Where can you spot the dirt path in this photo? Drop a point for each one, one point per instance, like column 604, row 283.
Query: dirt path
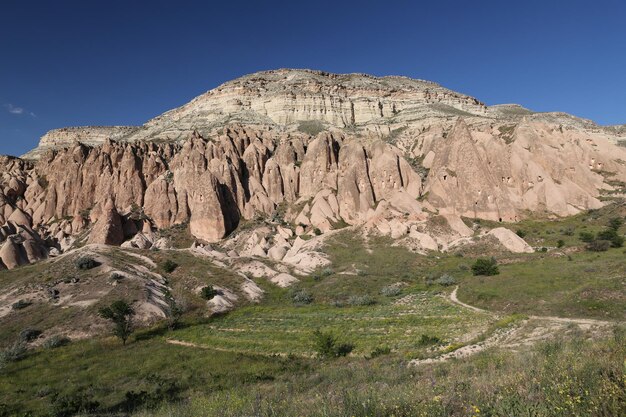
column 455, row 300
column 245, row 352
column 584, row 322
column 532, row 330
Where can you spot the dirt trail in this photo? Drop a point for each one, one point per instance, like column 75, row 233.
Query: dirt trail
column 455, row 300
column 199, row 346
column 567, row 320
column 532, row 330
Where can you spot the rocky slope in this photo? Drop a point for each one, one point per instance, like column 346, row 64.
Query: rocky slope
column 309, row 152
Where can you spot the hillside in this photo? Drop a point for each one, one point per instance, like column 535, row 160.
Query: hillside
column 297, row 222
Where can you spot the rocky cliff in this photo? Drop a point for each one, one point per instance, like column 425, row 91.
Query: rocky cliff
column 309, row 152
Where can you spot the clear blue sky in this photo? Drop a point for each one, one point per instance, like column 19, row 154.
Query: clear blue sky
column 72, row 63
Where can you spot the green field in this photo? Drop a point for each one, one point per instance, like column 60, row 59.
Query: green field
column 288, row 329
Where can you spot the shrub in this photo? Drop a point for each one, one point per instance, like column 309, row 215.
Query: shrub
column 301, row 296
column 21, row 304
column 317, row 231
column 361, row 300
column 55, row 342
column 177, row 309
column 72, row 404
column 484, row 266
column 586, row 237
column 121, row 314
column 427, row 340
column 391, row 291
column 28, row 335
column 208, row 292
column 615, row 223
column 560, row 243
column 13, row 353
column 116, row 277
column 380, row 351
column 327, row 272
column 86, row 262
column 599, row 245
column 169, row 266
column 617, row 241
column 521, row 233
column 612, row 236
column 327, row 346
column 569, row 231
column 311, row 127
column 544, row 249
column 445, row 280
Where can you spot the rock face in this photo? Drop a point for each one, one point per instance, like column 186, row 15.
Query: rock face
column 312, row 149
column 510, row 240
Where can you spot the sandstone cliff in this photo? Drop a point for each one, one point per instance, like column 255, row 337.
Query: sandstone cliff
column 313, row 151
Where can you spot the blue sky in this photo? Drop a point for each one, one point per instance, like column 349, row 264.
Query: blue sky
column 73, row 63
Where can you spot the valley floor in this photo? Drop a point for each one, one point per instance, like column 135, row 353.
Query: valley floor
column 545, row 337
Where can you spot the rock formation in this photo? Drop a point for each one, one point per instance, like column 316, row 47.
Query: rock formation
column 314, row 152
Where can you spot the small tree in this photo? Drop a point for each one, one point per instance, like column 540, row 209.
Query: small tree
column 121, row 314
column 484, row 266
column 169, row 266
column 586, row 236
column 177, row 309
column 615, row 223
column 327, row 345
column 611, row 235
column 209, row 292
column 560, row 243
column 86, row 262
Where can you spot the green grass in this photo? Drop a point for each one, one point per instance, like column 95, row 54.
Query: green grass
column 590, row 285
column 288, row 329
column 105, row 370
column 568, row 376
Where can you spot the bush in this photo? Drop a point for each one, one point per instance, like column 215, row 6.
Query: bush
column 169, row 266
column 177, row 309
column 615, row 223
column 586, row 237
column 55, row 342
column 208, row 292
column 521, row 233
column 21, row 304
column 327, row 346
column 72, row 404
column 327, row 272
column 362, row 300
column 301, row 296
column 599, row 245
column 28, row 335
column 611, row 235
column 380, row 351
column 391, row 291
column 560, row 243
column 445, row 280
column 427, row 340
column 13, row 353
column 484, row 266
column 116, row 277
column 86, row 262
